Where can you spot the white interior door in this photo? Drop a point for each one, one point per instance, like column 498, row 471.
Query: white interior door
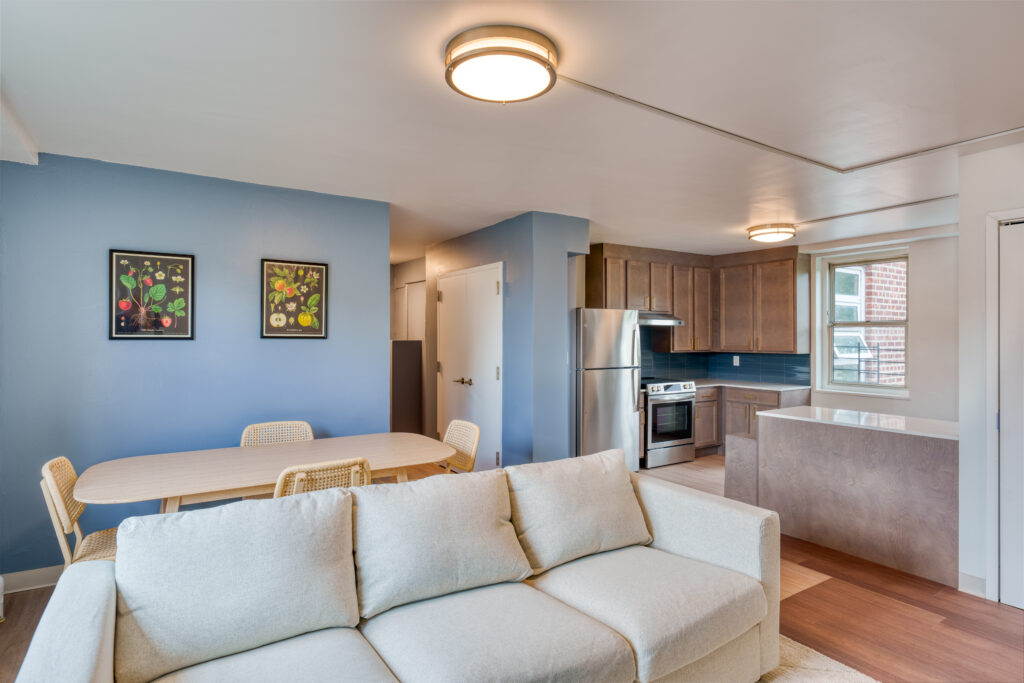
column 469, row 327
column 1011, row 415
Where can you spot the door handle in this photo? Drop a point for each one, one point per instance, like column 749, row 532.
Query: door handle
column 469, row 381
column 636, row 390
column 463, row 380
column 636, row 345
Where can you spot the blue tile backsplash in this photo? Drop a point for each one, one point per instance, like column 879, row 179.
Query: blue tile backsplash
column 784, row 368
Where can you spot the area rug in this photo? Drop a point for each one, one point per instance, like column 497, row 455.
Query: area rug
column 801, row 664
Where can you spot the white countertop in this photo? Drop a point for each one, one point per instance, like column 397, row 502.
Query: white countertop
column 899, row 424
column 742, row 384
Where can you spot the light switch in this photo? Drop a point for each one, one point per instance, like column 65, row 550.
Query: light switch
column 736, row 361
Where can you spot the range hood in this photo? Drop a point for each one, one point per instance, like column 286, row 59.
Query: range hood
column 659, row 319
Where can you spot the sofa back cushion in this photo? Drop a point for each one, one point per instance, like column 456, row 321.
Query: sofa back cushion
column 194, row 586
column 433, row 537
column 570, row 508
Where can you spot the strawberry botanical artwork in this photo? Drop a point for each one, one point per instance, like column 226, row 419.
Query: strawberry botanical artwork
column 294, row 299
column 151, row 295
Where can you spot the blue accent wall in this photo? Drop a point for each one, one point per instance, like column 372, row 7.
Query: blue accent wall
column 535, row 375
column 68, row 390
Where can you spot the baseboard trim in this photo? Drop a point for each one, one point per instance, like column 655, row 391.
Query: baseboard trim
column 32, row 578
column 975, row 585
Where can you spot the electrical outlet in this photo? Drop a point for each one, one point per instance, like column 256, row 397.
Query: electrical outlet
column 736, row 361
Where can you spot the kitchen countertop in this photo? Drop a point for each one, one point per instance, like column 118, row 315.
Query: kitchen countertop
column 743, row 384
column 899, row 424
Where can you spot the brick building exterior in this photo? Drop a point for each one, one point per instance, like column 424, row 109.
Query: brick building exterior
column 885, row 298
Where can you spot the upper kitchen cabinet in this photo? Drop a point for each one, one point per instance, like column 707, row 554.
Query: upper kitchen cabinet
column 764, row 301
column 691, row 303
column 619, row 276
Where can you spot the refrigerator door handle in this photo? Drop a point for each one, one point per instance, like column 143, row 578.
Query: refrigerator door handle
column 636, row 347
column 636, row 390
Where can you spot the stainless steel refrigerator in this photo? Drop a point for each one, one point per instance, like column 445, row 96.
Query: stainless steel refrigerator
column 608, row 382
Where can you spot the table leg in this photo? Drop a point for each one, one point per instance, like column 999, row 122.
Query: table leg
column 170, row 504
column 402, row 475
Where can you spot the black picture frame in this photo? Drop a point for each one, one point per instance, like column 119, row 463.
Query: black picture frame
column 293, row 299
column 160, row 305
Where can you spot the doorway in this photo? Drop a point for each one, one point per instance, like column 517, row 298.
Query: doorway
column 469, row 353
column 1011, row 413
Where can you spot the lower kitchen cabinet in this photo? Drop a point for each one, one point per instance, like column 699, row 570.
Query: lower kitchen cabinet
column 742, row 406
column 705, row 424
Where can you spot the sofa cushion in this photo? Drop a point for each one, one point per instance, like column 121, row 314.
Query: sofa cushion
column 671, row 609
column 579, row 506
column 433, row 536
column 329, row 655
column 509, row 632
column 194, row 586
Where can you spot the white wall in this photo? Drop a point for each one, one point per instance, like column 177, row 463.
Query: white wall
column 990, row 181
column 932, row 337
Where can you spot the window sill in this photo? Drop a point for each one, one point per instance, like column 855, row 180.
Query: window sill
column 899, row 395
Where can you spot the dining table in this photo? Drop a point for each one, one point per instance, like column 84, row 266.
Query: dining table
column 187, row 477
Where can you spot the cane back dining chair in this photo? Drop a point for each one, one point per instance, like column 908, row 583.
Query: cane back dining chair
column 263, row 433
column 464, row 437
column 322, row 475
column 58, row 485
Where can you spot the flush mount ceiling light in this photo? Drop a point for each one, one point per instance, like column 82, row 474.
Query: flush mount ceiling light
column 771, row 232
column 500, row 63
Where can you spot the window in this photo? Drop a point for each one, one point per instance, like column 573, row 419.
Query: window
column 866, row 315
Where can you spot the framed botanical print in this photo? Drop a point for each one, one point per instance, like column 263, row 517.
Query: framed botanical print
column 152, row 296
column 294, row 296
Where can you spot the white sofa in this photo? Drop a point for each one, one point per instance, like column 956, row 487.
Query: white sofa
column 574, row 570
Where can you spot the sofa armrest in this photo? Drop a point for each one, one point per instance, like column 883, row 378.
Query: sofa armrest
column 719, row 531
column 74, row 642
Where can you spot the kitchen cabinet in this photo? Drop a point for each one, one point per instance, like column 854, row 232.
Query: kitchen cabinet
column 661, row 287
column 638, row 285
column 614, row 283
column 705, row 424
column 737, row 418
column 775, row 307
column 736, row 308
column 691, row 303
column 742, row 406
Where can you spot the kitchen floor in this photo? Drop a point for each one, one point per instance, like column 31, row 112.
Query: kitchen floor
column 706, row 473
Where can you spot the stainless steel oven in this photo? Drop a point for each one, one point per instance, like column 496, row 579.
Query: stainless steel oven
column 669, row 417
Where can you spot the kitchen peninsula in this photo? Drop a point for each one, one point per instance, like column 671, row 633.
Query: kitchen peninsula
column 881, row 487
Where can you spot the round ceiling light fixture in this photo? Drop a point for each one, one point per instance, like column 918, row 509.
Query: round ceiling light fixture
column 501, row 63
column 771, row 232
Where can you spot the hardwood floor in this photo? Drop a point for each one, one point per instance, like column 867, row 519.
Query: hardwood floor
column 892, row 626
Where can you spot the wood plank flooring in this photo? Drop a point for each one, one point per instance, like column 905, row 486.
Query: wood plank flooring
column 892, row 626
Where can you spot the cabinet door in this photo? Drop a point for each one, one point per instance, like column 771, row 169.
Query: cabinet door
column 682, row 308
column 705, row 425
column 737, row 418
column 615, row 283
column 701, row 328
column 638, row 285
column 753, row 417
column 661, row 288
column 775, row 310
column 737, row 308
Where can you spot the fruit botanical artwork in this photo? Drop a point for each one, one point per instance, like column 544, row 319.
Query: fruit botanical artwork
column 294, row 299
column 151, row 295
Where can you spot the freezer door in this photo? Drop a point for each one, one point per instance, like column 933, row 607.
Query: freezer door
column 607, row 338
column 608, row 407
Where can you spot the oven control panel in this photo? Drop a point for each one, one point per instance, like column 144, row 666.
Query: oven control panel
column 672, row 388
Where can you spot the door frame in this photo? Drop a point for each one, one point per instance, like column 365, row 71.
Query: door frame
column 500, row 265
column 993, row 222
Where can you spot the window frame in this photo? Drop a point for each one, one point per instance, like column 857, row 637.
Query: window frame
column 825, row 370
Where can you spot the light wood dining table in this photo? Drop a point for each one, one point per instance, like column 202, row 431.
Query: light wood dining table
column 219, row 473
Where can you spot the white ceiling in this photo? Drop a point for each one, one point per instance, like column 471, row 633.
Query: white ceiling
column 350, row 99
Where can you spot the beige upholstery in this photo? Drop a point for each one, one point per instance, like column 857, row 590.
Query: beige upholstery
column 575, row 507
column 58, row 486
column 739, row 661
column 433, row 536
column 328, row 655
column 506, row 632
column 464, row 437
column 323, row 475
column 668, row 621
column 264, row 433
column 722, row 532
